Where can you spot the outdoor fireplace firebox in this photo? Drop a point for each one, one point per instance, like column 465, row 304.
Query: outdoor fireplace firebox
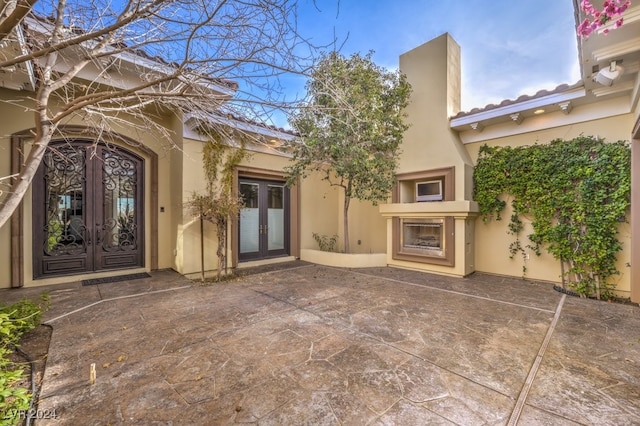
column 423, row 236
column 428, row 240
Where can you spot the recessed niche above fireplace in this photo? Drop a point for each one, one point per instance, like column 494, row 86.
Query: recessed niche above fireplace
column 427, row 186
column 434, row 236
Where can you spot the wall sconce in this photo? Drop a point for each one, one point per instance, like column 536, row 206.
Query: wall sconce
column 606, row 76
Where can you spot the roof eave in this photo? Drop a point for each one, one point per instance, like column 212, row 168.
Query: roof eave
column 557, row 100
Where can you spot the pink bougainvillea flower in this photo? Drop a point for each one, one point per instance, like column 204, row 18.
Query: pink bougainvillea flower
column 595, row 19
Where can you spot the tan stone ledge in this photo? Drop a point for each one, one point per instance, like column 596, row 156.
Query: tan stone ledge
column 439, row 208
column 344, row 260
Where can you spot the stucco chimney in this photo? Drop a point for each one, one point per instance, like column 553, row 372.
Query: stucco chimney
column 433, row 70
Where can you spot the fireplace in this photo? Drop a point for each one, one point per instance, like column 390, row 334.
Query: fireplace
column 423, row 236
column 424, row 239
column 427, row 228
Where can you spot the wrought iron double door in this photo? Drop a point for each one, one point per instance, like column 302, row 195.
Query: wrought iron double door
column 87, row 210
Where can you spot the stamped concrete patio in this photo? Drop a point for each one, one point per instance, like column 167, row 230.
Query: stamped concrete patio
column 317, row 345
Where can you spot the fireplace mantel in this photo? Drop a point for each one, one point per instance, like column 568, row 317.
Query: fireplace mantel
column 457, row 219
column 457, row 209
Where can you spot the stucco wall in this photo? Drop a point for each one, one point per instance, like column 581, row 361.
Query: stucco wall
column 611, row 129
column 318, row 210
column 492, row 239
column 188, row 177
column 322, row 212
column 15, row 119
column 367, row 227
column 433, row 71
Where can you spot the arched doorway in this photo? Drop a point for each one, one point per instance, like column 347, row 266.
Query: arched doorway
column 88, row 212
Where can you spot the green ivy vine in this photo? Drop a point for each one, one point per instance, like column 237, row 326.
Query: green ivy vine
column 575, row 192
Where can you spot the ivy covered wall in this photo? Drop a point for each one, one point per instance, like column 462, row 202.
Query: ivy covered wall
column 567, row 198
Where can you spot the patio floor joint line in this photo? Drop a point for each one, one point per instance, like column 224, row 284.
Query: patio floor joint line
column 444, row 290
column 48, row 322
column 524, row 393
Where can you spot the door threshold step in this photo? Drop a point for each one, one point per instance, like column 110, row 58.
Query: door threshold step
column 116, row 279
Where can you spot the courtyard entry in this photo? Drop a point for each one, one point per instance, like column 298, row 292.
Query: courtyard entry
column 87, row 209
column 264, row 220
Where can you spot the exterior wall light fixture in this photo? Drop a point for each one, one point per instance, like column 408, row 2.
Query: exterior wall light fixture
column 606, row 76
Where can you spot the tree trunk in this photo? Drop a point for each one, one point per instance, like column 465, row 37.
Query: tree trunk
column 25, row 177
column 226, row 253
column 222, row 249
column 201, row 248
column 347, row 200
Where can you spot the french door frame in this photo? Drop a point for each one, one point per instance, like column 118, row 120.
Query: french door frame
column 21, row 249
column 265, row 228
column 105, row 239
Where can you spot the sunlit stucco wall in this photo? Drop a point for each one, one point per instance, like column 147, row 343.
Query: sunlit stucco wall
column 433, row 70
column 189, row 178
column 15, row 119
column 492, row 239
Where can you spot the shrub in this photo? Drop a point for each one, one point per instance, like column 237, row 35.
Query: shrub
column 15, row 320
column 326, row 243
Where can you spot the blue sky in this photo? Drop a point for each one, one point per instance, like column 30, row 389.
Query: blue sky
column 509, row 47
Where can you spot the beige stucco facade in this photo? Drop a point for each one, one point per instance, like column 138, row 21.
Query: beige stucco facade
column 441, row 137
column 492, row 239
column 156, row 153
column 429, row 145
column 441, row 145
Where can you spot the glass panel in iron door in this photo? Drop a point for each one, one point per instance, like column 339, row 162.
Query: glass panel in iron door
column 249, row 219
column 119, row 221
column 61, row 237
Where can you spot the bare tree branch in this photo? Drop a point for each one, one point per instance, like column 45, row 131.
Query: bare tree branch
column 12, row 13
column 107, row 63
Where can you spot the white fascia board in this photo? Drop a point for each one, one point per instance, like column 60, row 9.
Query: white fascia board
column 28, row 64
column 635, row 94
column 581, row 114
column 519, row 107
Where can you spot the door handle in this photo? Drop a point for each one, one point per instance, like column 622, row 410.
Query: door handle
column 98, row 234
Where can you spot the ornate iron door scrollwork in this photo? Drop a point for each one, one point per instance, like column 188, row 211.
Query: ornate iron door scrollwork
column 88, row 210
column 64, row 226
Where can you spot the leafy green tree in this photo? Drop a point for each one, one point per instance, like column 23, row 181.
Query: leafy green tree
column 351, row 127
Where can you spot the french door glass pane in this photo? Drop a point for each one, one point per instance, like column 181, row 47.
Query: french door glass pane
column 64, row 227
column 119, row 180
column 275, row 217
column 249, row 219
